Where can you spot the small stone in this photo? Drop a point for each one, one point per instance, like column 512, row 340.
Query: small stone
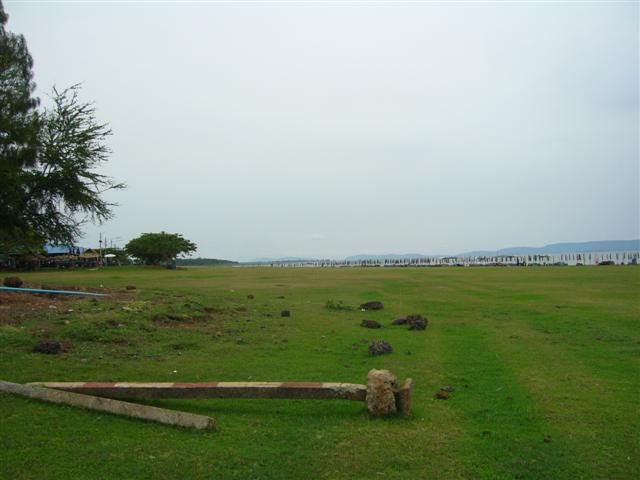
column 370, row 324
column 379, row 347
column 13, row 282
column 547, row 439
column 442, row 395
column 285, row 313
column 374, row 305
column 130, row 287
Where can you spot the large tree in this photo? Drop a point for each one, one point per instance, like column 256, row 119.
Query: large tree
column 49, row 186
column 19, row 130
column 155, row 248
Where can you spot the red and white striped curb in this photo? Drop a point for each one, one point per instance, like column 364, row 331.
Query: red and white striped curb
column 291, row 390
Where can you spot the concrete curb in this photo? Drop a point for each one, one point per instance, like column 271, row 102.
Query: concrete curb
column 290, row 390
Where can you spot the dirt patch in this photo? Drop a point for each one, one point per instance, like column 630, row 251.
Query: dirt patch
column 15, row 307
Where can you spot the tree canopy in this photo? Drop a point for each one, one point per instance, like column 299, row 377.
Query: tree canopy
column 155, row 248
column 48, row 158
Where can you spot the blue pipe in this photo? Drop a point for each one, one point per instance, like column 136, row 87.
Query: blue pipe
column 39, row 290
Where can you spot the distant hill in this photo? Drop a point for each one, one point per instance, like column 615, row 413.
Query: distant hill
column 554, row 248
column 389, row 256
column 197, row 262
column 557, row 248
column 281, row 259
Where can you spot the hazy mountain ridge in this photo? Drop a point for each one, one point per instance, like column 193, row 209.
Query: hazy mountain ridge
column 559, row 248
column 554, row 248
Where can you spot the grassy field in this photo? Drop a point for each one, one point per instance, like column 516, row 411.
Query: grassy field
column 531, row 352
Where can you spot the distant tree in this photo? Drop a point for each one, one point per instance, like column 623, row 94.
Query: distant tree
column 155, row 248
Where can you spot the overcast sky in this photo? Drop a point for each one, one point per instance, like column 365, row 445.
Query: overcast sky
column 331, row 129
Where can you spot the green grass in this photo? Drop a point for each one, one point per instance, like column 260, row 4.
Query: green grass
column 531, row 352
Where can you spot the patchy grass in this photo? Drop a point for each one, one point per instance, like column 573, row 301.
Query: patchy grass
column 531, row 353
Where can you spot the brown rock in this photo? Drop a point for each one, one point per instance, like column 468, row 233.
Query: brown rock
column 375, row 305
column 417, row 322
column 370, row 324
column 13, row 282
column 381, row 385
column 442, row 395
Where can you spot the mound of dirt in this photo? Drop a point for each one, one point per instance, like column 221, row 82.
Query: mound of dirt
column 51, row 347
column 13, row 282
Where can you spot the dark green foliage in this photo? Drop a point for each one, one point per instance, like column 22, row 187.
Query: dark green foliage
column 19, row 126
column 64, row 189
column 48, row 159
column 154, row 248
column 333, row 305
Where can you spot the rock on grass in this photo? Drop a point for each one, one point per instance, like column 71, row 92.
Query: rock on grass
column 370, row 324
column 417, row 322
column 374, row 305
column 379, row 347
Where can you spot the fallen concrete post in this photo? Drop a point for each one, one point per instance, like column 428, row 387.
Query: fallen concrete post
column 290, row 390
column 161, row 415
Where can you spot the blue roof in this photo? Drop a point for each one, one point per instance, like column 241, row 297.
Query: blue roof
column 59, row 249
